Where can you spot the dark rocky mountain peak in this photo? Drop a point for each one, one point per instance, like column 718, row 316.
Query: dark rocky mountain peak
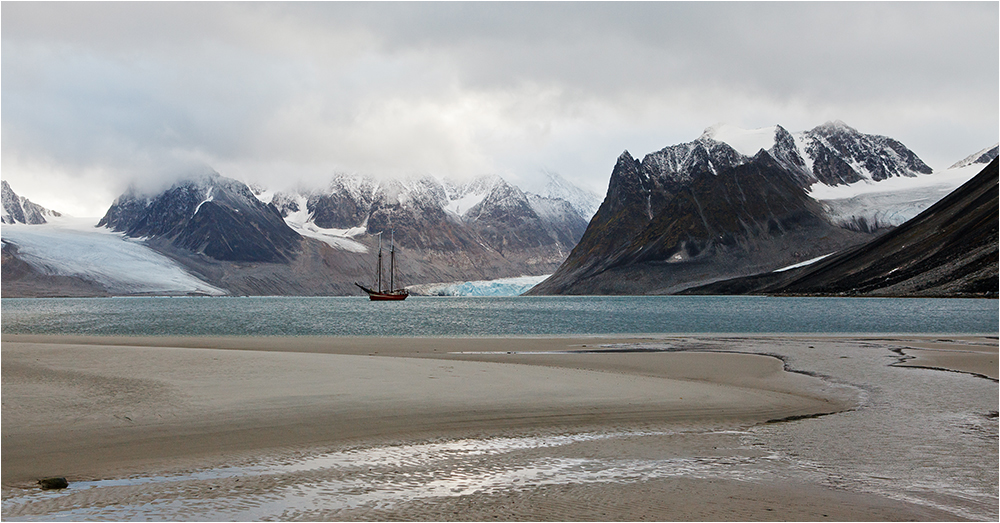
column 843, row 155
column 786, row 152
column 678, row 164
column 207, row 214
column 510, row 220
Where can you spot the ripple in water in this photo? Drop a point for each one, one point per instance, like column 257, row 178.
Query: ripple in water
column 377, row 478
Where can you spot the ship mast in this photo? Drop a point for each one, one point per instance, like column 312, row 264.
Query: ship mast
column 392, row 260
column 380, row 262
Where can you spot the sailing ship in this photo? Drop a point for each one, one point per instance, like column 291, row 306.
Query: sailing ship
column 392, row 294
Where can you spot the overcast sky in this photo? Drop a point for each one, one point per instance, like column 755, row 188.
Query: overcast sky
column 97, row 95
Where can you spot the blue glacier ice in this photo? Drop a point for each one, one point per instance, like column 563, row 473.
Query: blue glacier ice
column 502, row 287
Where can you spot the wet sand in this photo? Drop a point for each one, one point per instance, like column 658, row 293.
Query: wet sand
column 92, row 408
column 954, row 354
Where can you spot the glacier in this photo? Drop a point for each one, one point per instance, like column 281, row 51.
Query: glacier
column 69, row 246
column 497, row 288
column 867, row 205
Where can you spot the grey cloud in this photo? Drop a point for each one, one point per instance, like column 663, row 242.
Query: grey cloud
column 288, row 92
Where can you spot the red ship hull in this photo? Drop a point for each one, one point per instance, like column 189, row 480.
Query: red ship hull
column 387, row 297
column 373, row 295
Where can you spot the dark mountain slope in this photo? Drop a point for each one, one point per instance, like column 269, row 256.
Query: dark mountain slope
column 731, row 203
column 950, row 249
column 738, row 220
column 211, row 215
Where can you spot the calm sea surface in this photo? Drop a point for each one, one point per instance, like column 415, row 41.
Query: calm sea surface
column 473, row 316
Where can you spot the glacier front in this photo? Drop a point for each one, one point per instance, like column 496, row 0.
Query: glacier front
column 501, row 287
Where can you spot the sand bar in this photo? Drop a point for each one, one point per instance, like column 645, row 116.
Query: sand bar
column 87, row 409
column 972, row 355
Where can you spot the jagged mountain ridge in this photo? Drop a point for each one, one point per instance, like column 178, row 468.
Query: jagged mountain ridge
column 948, row 250
column 432, row 215
column 18, row 209
column 654, row 205
column 832, row 154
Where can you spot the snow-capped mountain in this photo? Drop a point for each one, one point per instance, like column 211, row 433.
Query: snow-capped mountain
column 732, row 202
column 206, row 214
column 866, row 182
column 434, row 215
column 18, row 209
column 838, row 154
column 831, row 154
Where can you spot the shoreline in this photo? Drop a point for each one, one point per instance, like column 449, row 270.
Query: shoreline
column 93, row 407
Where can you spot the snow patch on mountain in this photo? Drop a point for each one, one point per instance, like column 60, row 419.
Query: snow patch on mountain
column 74, row 247
column 984, row 157
column 301, row 222
column 208, row 198
column 296, row 214
column 336, row 238
column 465, row 198
column 803, row 264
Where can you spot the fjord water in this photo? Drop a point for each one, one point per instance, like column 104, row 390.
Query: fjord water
column 479, row 316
